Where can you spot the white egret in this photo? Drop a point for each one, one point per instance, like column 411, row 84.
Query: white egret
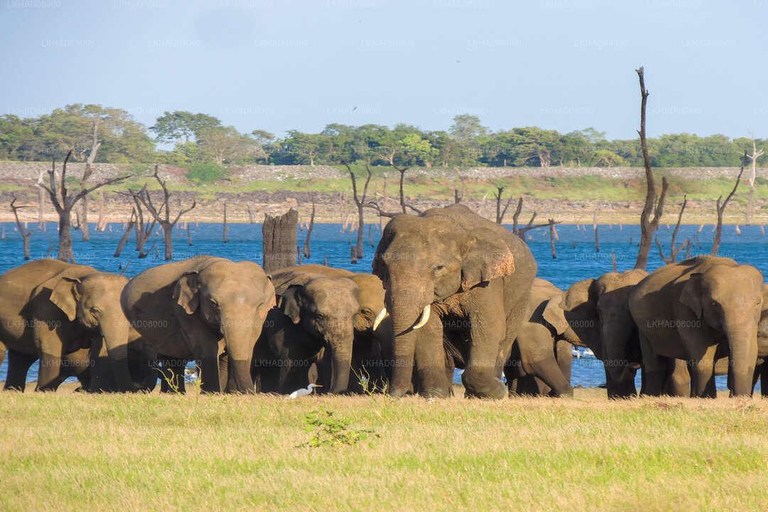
column 303, row 391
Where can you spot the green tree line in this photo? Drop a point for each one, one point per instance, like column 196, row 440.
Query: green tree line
column 203, row 144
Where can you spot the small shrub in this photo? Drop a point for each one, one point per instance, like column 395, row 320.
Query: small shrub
column 330, row 430
column 205, row 173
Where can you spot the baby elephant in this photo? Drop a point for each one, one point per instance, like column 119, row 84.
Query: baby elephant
column 326, row 318
column 69, row 317
column 539, row 352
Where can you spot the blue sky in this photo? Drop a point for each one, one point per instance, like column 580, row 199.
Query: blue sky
column 279, row 65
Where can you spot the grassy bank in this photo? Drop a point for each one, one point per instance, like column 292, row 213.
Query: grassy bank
column 69, row 451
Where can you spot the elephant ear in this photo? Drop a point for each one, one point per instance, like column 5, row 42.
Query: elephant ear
column 554, row 315
column 185, row 293
column 486, row 257
column 290, row 303
column 65, row 295
column 691, row 294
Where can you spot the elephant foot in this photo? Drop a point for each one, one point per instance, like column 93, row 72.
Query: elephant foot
column 435, row 393
column 478, row 385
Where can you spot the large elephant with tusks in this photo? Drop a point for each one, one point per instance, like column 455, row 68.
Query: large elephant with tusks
column 451, row 274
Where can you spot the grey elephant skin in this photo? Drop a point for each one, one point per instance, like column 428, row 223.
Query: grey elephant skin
column 540, row 362
column 323, row 323
column 698, row 311
column 451, row 274
column 69, row 317
column 207, row 309
column 594, row 313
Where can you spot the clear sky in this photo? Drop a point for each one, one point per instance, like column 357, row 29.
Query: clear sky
column 279, row 65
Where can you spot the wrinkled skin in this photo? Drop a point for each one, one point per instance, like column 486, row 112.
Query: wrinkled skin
column 69, row 317
column 541, row 358
column 452, row 275
column 595, row 313
column 697, row 311
column 369, row 348
column 207, row 309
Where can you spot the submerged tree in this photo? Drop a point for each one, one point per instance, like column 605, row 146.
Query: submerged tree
column 162, row 214
column 721, row 209
column 654, row 202
column 25, row 233
column 64, row 202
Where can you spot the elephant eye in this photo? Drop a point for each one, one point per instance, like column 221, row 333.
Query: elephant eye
column 366, row 311
column 758, row 302
column 438, row 268
column 319, row 316
column 214, row 302
column 95, row 310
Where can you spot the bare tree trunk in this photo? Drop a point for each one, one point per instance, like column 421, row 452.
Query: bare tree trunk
column 352, row 255
column 40, row 203
column 551, row 237
column 721, row 209
column 307, row 238
column 613, row 261
column 280, row 239
column 124, row 239
column 189, row 236
column 84, row 220
column 23, row 231
column 168, row 241
column 224, row 226
column 653, row 208
column 65, row 238
column 597, row 232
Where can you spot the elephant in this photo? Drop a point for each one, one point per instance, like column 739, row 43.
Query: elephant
column 541, row 358
column 476, row 277
column 325, row 319
column 595, row 313
column 69, row 317
column 695, row 312
column 207, row 309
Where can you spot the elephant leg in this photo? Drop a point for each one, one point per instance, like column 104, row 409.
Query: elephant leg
column 764, row 379
column 80, row 364
column 564, row 358
column 430, row 359
column 549, row 371
column 654, row 369
column 679, row 381
column 703, row 375
column 18, row 367
column 488, row 332
column 223, row 370
column 50, row 375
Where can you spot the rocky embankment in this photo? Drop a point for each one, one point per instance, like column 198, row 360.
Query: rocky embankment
column 247, row 203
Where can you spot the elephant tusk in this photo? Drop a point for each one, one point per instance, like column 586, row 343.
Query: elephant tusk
column 380, row 318
column 424, row 318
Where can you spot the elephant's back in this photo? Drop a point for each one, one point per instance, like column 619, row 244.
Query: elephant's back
column 302, row 274
column 16, row 290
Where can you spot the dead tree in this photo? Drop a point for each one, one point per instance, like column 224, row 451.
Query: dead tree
column 162, row 214
column 224, row 226
column 521, row 231
column 95, row 145
column 279, row 234
column 501, row 212
column 721, row 209
column 25, row 233
column 41, row 202
column 654, row 203
column 404, row 206
column 674, row 250
column 595, row 228
column 189, row 235
column 752, row 176
column 64, row 202
column 552, row 236
column 307, row 238
column 101, row 225
column 360, row 204
column 250, row 214
column 126, row 234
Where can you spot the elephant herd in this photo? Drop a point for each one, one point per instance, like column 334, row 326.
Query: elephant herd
column 449, row 289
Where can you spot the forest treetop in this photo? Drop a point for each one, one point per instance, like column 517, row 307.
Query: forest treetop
column 203, row 139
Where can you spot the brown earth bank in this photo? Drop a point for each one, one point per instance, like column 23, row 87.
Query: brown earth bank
column 252, row 191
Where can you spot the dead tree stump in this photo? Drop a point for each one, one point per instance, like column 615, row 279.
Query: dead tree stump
column 280, row 239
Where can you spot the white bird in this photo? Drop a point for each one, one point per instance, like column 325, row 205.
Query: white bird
column 588, row 352
column 575, row 353
column 303, row 391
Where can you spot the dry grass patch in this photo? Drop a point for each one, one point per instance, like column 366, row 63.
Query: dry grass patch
column 140, row 452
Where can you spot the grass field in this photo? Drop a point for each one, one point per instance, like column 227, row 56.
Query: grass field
column 152, row 452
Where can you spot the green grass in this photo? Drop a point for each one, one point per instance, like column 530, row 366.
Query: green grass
column 72, row 451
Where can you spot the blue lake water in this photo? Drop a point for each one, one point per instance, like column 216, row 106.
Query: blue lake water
column 576, row 255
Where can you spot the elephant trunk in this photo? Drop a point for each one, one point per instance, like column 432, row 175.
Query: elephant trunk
column 115, row 333
column 742, row 342
column 340, row 344
column 240, row 335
